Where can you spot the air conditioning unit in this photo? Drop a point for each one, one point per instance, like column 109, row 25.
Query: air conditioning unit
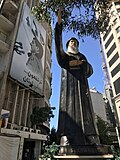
column 31, row 130
column 26, row 129
column 38, row 131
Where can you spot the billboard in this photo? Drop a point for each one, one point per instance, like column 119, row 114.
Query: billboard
column 27, row 65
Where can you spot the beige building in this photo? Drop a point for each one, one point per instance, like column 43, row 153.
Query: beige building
column 98, row 104
column 25, row 79
column 110, row 41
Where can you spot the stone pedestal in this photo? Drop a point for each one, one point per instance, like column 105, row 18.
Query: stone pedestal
column 84, row 152
column 76, row 157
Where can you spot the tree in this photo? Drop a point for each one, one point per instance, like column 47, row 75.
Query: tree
column 78, row 15
column 42, row 114
column 49, row 152
column 52, row 137
column 116, row 152
column 50, row 147
column 102, row 129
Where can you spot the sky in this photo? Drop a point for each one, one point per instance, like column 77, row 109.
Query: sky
column 91, row 49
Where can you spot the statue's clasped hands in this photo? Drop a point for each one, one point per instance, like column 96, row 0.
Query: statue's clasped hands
column 76, row 63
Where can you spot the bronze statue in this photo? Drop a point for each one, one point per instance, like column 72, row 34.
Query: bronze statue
column 76, row 124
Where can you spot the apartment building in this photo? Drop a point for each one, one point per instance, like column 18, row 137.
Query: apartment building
column 25, row 79
column 98, row 104
column 103, row 108
column 110, row 41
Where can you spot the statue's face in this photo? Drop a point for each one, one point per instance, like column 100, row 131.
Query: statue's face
column 73, row 43
column 73, row 46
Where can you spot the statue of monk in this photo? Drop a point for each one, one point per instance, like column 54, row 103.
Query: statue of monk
column 76, row 125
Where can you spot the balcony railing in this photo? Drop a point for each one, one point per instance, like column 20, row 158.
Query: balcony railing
column 11, row 5
column 16, row 2
column 4, row 38
column 9, row 16
column 4, row 42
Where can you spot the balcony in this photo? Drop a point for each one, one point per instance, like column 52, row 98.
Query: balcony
column 1, row 74
column 7, row 21
column 47, row 84
column 118, row 36
column 11, row 6
column 48, row 73
column 48, row 90
column 4, row 42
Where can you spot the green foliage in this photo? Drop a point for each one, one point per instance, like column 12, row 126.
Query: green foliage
column 49, row 152
column 52, row 137
column 102, row 129
column 40, row 115
column 41, row 12
column 78, row 15
column 50, row 147
column 116, row 153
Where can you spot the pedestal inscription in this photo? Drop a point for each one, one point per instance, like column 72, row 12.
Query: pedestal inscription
column 84, row 150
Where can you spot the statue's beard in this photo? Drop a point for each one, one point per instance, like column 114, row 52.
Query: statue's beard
column 73, row 50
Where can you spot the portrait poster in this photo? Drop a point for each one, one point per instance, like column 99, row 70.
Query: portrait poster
column 28, row 60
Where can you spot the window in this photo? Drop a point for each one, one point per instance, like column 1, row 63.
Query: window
column 107, row 32
column 115, row 21
column 119, row 39
column 113, row 13
column 117, row 3
column 111, row 50
column 115, row 57
column 109, row 40
column 118, row 10
column 118, row 29
column 117, row 85
column 115, row 70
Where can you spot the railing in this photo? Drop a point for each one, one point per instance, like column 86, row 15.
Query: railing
column 9, row 16
column 22, row 128
column 4, row 38
column 17, row 2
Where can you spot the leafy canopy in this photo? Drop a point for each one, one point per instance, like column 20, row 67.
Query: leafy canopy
column 49, row 152
column 42, row 114
column 103, row 128
column 77, row 15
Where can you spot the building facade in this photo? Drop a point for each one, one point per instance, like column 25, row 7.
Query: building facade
column 103, row 108
column 98, row 104
column 25, row 77
column 110, row 41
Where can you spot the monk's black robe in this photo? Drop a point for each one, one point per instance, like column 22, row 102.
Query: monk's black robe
column 76, row 118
